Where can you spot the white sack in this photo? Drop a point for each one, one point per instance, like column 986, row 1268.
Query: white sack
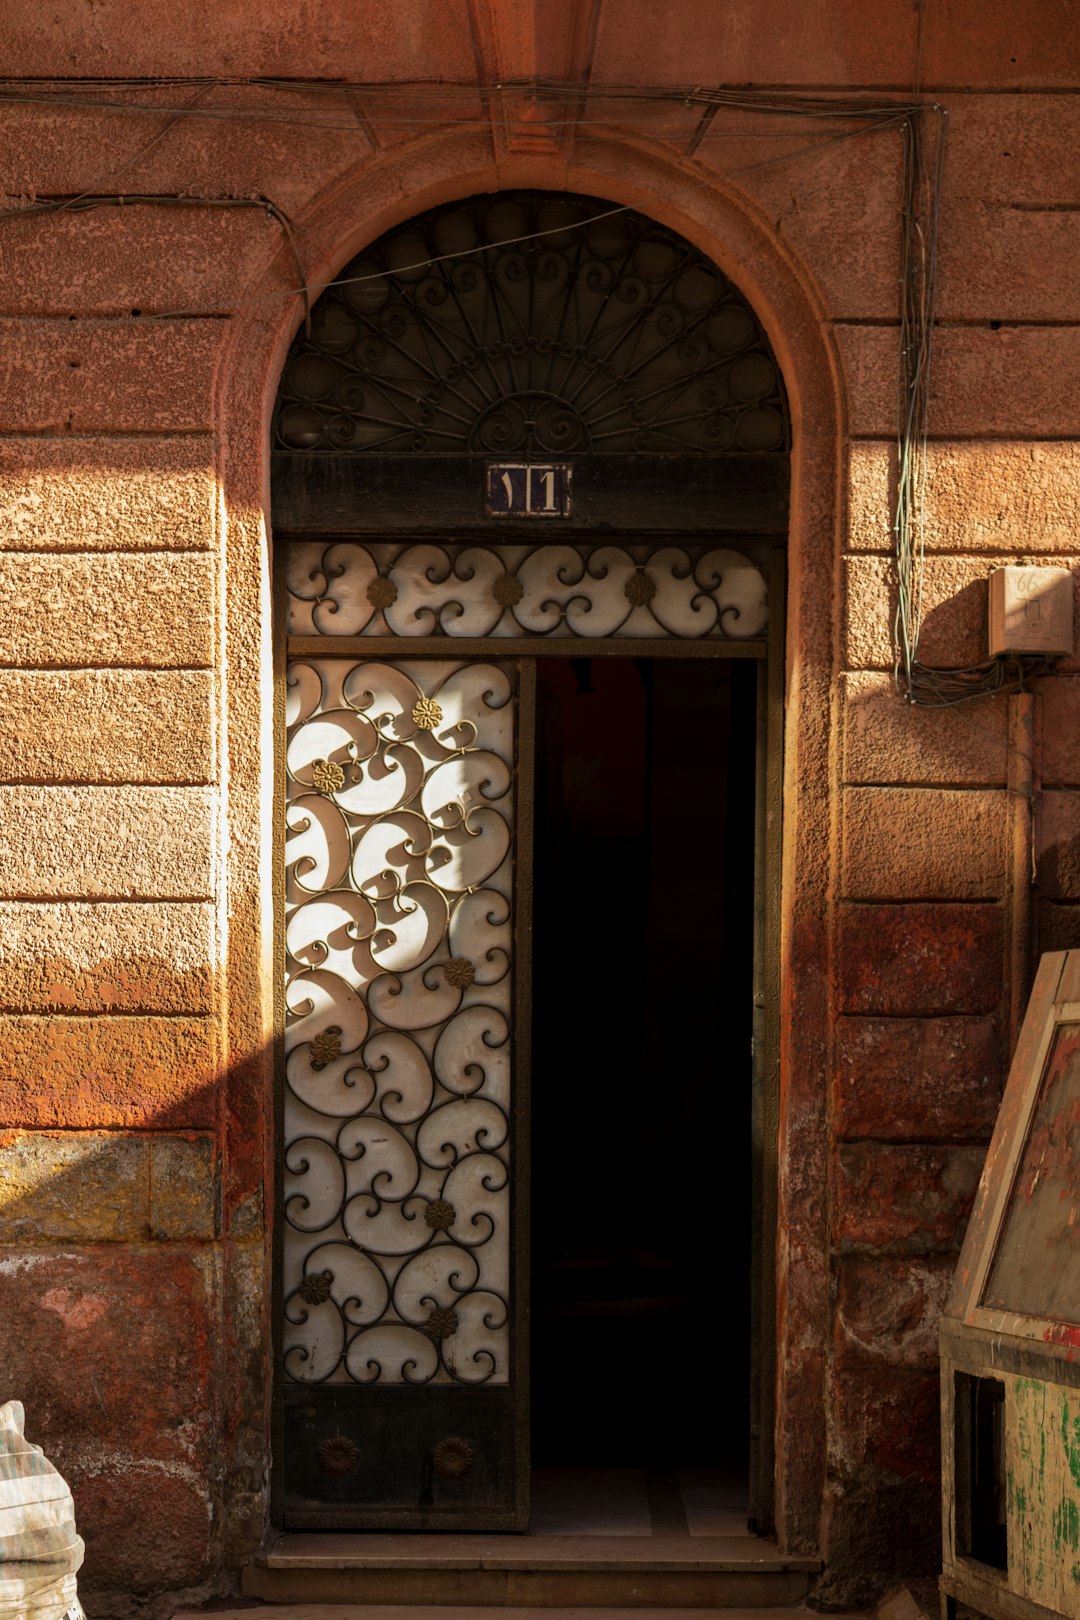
column 40, row 1551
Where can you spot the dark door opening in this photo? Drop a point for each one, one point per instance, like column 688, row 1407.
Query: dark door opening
column 641, row 1072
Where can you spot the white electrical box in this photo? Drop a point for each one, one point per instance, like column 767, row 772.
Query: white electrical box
column 1031, row 612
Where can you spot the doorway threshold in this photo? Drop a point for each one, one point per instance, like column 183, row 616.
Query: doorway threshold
column 598, row 1538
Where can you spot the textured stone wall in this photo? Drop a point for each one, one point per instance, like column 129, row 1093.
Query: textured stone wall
column 139, row 348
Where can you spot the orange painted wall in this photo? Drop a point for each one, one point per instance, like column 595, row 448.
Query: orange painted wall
column 140, row 347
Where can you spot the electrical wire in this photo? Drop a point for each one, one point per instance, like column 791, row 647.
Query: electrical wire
column 89, row 199
column 920, row 219
column 77, row 91
column 997, row 677
column 920, row 683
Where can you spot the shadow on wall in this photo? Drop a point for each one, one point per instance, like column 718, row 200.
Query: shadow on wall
column 112, row 1286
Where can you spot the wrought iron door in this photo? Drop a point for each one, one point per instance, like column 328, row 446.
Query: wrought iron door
column 398, row 1349
column 403, row 1254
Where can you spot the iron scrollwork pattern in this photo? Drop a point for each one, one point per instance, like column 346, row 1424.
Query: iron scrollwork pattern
column 399, row 863
column 640, row 591
column 531, row 324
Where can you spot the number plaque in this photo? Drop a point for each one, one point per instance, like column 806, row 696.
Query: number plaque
column 527, row 489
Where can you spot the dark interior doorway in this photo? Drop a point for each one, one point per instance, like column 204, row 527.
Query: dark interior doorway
column 641, row 1074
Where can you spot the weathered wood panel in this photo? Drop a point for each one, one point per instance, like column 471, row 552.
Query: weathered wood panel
column 1042, row 1461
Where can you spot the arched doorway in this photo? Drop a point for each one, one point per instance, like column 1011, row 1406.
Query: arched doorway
column 530, row 488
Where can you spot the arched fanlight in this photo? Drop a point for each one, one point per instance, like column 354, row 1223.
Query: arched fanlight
column 532, row 324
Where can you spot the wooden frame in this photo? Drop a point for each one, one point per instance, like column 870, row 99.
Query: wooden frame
column 1033, row 1357
column 1055, row 1001
column 390, row 496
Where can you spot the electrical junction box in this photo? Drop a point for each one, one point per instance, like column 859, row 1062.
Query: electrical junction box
column 1031, row 612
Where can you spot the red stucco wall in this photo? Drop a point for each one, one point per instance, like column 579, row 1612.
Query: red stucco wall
column 139, row 352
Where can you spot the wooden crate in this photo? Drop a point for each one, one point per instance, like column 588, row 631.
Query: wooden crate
column 1010, row 1337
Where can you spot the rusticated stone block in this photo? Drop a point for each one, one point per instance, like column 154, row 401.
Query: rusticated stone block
column 871, row 485
column 852, row 233
column 881, row 1520
column 1013, row 497
column 880, row 1532
column 145, row 1524
column 975, row 45
column 1059, row 741
column 888, row 740
column 132, row 376
column 184, row 1187
column 49, row 149
column 1057, row 845
column 106, row 1071
column 919, row 959
column 1007, row 264
column 888, row 1419
column 1013, row 148
column 1019, row 381
column 114, row 1361
column 107, row 494
column 107, row 726
column 746, row 45
column 98, row 1186
column 379, row 43
column 154, row 260
column 107, row 843
column 887, row 1311
column 894, row 848
column 78, row 957
column 904, row 1199
column 1059, row 926
column 954, row 612
column 62, row 610
column 75, row 1186
column 916, row 1078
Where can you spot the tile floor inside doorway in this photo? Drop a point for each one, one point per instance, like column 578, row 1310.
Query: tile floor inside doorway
column 633, row 1502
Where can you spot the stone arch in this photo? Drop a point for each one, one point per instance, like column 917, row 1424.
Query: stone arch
column 730, row 231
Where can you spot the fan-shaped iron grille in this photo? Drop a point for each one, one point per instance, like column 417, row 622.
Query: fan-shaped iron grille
column 548, row 329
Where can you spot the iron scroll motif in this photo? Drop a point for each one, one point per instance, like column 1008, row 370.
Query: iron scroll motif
column 645, row 591
column 398, row 899
column 531, row 324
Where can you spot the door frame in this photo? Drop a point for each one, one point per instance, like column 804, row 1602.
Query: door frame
column 768, row 652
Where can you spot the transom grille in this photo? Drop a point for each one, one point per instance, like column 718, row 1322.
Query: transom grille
column 532, row 324
column 455, row 591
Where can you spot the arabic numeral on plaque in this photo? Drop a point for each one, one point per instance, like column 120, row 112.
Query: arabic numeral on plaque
column 527, row 489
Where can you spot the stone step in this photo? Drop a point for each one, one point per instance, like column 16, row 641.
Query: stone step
column 529, row 1572
column 352, row 1611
